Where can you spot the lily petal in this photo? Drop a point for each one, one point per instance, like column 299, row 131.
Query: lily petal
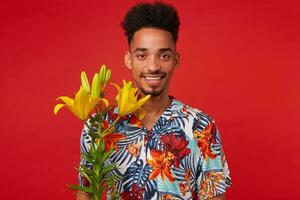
column 117, row 86
column 102, row 74
column 82, row 105
column 69, row 101
column 128, row 100
column 81, row 98
column 142, row 101
column 58, row 107
column 85, row 82
column 142, row 113
column 95, row 87
column 107, row 76
column 105, row 101
column 119, row 91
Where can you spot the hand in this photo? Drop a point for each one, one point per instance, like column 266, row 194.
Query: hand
column 82, row 196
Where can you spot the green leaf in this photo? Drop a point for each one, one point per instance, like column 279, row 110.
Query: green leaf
column 106, row 155
column 81, row 188
column 107, row 169
column 87, row 157
column 87, row 170
column 85, row 176
column 94, row 135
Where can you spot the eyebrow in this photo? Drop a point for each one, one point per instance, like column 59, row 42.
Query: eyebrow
column 165, row 49
column 140, row 49
column 145, row 49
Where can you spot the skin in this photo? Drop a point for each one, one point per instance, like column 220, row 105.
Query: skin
column 152, row 59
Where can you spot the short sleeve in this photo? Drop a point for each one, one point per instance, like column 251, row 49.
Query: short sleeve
column 214, row 177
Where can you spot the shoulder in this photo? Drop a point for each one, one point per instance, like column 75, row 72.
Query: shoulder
column 193, row 114
column 198, row 124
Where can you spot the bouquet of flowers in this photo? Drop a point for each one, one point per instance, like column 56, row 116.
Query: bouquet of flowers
column 90, row 105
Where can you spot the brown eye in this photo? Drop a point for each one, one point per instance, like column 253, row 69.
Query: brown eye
column 165, row 56
column 141, row 56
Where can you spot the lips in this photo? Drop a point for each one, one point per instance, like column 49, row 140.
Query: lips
column 153, row 79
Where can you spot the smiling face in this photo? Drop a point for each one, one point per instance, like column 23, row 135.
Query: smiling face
column 152, row 58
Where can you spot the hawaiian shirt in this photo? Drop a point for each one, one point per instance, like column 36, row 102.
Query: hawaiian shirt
column 181, row 157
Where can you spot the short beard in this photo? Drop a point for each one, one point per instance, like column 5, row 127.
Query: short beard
column 153, row 93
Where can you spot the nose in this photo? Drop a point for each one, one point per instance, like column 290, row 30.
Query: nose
column 153, row 64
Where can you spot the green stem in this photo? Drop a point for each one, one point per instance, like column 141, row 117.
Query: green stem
column 96, row 165
column 95, row 197
column 109, row 127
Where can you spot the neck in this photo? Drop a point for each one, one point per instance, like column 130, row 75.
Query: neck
column 157, row 105
column 154, row 108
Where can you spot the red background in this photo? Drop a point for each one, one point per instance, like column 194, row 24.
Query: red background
column 240, row 64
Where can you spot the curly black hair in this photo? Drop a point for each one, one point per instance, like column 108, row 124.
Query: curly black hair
column 151, row 15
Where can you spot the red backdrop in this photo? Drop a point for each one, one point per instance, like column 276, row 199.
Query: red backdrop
column 240, row 64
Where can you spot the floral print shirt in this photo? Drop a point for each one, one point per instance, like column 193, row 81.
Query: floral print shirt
column 181, row 157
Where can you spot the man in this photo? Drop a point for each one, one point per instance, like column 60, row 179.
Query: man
column 175, row 151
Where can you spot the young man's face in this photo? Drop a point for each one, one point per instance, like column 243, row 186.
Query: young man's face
column 152, row 58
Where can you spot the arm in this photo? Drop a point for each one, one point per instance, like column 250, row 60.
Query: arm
column 82, row 196
column 214, row 176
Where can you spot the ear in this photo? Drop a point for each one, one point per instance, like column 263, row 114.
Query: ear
column 177, row 59
column 127, row 59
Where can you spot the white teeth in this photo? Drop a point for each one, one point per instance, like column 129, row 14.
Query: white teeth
column 152, row 77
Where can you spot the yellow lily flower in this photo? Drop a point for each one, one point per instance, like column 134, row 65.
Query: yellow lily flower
column 85, row 82
column 104, row 75
column 128, row 100
column 99, row 82
column 96, row 89
column 81, row 106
